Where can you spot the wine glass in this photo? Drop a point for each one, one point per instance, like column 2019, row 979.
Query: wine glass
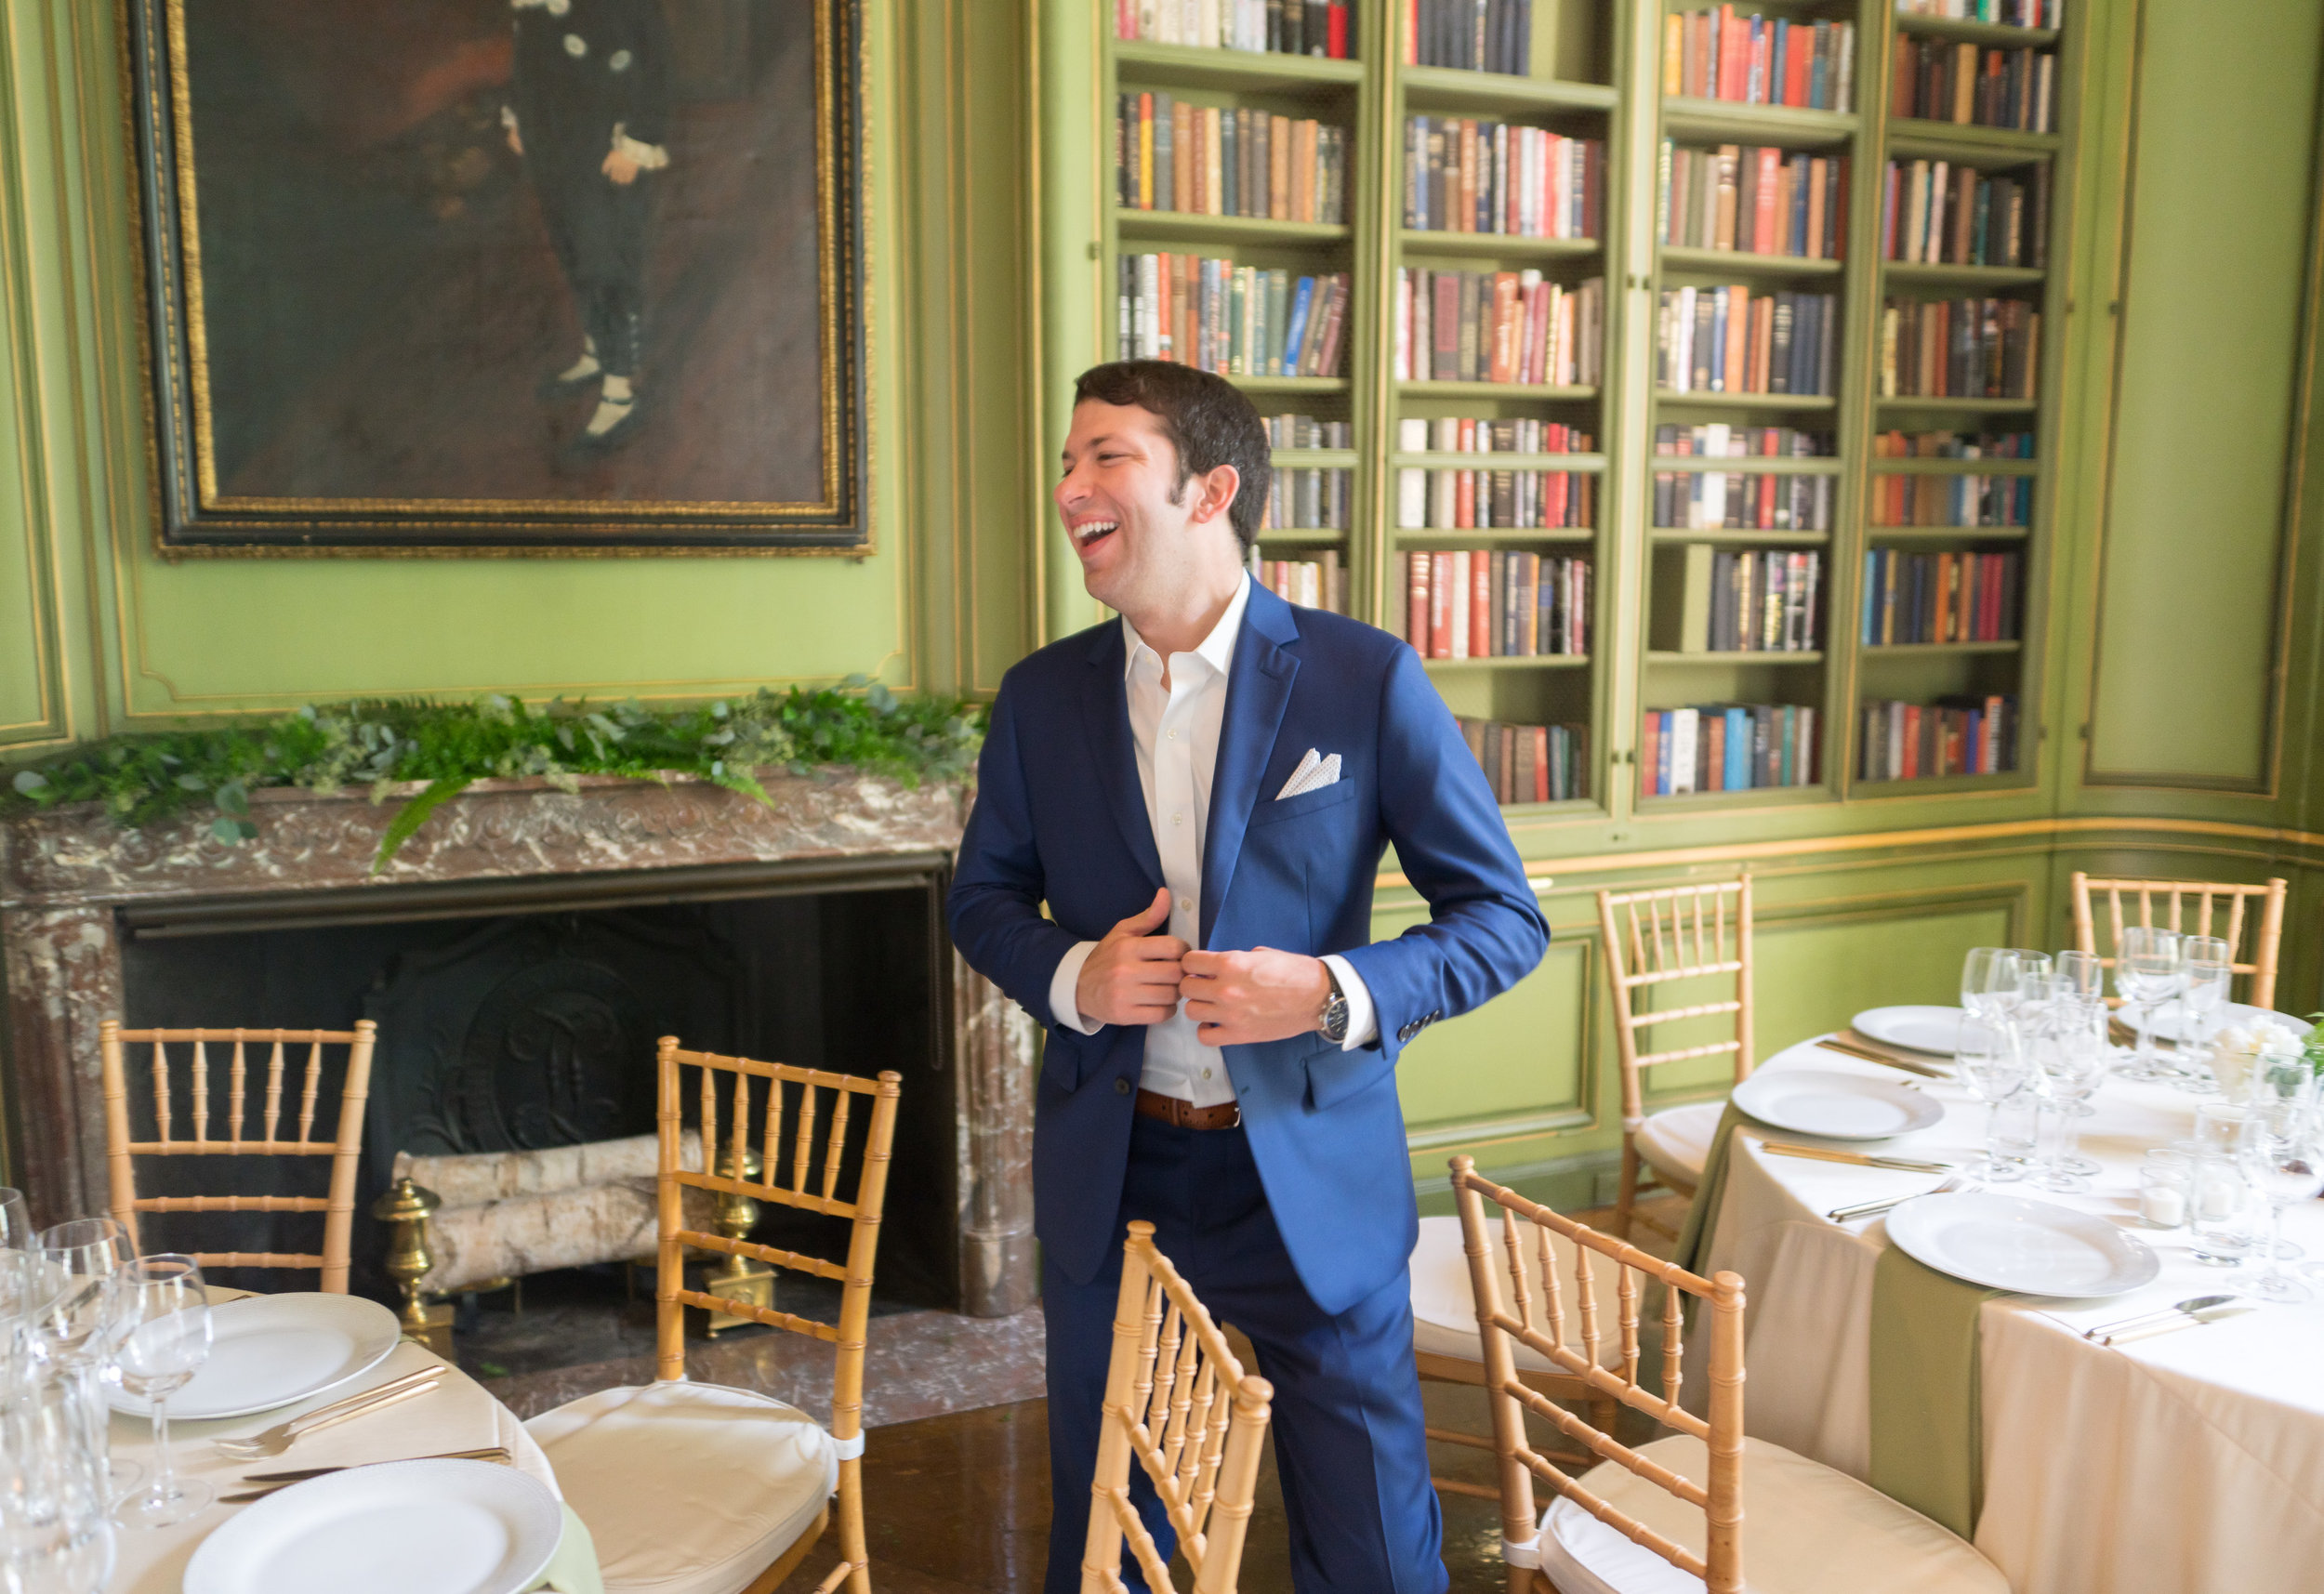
column 1992, row 1068
column 2209, row 964
column 159, row 1336
column 2081, row 973
column 66, row 1331
column 2147, row 974
column 15, row 1220
column 2282, row 1152
column 2070, row 1056
column 55, row 1536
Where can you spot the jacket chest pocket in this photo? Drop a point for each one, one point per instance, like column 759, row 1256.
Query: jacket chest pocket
column 1307, row 804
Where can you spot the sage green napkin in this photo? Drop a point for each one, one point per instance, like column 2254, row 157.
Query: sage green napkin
column 1695, row 1235
column 572, row 1569
column 1928, row 1446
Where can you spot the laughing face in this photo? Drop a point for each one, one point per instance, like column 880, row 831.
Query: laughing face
column 1137, row 548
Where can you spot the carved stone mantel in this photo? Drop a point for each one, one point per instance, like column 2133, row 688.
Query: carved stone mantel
column 68, row 875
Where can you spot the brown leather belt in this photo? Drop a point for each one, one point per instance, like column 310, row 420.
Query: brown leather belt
column 1185, row 1115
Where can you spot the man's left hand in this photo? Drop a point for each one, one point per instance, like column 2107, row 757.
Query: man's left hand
column 621, row 169
column 1236, row 999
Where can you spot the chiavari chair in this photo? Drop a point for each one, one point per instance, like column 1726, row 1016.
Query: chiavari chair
column 253, row 1126
column 2191, row 907
column 1659, row 938
column 1698, row 1507
column 1178, row 1404
column 710, row 1490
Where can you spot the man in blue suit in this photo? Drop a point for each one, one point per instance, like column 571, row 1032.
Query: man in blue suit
column 1202, row 791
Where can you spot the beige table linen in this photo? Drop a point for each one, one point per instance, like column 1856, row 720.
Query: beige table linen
column 2191, row 1463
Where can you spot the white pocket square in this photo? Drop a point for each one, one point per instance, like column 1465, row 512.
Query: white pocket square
column 1314, row 773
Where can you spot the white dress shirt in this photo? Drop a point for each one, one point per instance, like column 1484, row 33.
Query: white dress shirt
column 1176, row 733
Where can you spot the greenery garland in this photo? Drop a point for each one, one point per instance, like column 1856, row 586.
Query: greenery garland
column 144, row 780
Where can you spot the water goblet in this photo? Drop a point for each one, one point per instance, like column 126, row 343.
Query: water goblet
column 1992, row 1069
column 2147, row 973
column 2210, row 968
column 159, row 1336
column 2282, row 1154
column 67, row 1333
column 2081, row 973
column 55, row 1536
column 1985, row 970
column 2070, row 1057
column 15, row 1220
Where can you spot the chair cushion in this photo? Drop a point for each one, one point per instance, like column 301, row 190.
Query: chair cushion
column 1676, row 1142
column 1806, row 1530
column 688, row 1488
column 1444, row 1313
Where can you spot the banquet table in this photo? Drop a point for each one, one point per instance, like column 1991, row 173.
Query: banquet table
column 2186, row 1463
column 458, row 1414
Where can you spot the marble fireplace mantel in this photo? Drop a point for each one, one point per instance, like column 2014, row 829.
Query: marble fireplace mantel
column 73, row 884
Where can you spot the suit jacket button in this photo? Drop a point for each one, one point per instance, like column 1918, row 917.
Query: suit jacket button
column 1121, row 1088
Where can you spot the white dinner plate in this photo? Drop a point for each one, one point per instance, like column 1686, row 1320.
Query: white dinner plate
column 2015, row 1243
column 446, row 1527
column 270, row 1351
column 1932, row 1030
column 1837, row 1106
column 2170, row 1020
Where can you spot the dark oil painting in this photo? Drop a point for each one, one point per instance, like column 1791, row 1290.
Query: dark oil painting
column 502, row 275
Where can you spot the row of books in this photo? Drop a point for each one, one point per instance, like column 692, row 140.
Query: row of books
column 1469, row 35
column 1938, row 81
column 1306, row 497
column 1720, row 439
column 1725, row 747
column 1530, row 763
column 1959, row 349
column 1732, row 341
column 1939, row 596
column 1238, row 320
column 1743, row 600
column 1753, row 198
column 1951, row 736
column 1310, row 583
column 1759, row 60
column 1466, row 176
column 1757, row 500
column 1999, row 13
column 1496, row 603
column 1499, row 326
column 1306, row 432
column 1465, row 500
column 1952, row 501
column 1282, row 27
column 1941, row 215
column 1209, row 160
column 1952, row 445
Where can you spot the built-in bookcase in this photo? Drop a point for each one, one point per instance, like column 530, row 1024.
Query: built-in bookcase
column 1873, row 471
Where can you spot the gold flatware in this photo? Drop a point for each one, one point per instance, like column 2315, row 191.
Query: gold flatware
column 283, row 1435
column 2187, row 1308
column 274, row 1482
column 1862, row 1054
column 2172, row 1324
column 1855, row 1159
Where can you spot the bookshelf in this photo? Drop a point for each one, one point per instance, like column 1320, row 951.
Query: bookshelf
column 1860, row 472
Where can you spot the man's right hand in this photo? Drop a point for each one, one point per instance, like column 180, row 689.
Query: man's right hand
column 1131, row 976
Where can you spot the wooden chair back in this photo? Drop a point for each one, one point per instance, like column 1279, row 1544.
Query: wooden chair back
column 1177, row 1404
column 1662, row 936
column 742, row 1102
column 237, row 1135
column 1526, row 1228
column 2191, row 907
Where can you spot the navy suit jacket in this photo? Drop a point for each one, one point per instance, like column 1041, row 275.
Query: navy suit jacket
column 1060, row 817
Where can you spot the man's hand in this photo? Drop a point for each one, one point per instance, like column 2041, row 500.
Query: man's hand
column 516, row 140
column 1236, row 999
column 621, row 169
column 1131, row 977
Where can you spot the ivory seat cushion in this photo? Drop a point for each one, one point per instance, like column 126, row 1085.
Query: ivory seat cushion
column 1444, row 1313
column 1676, row 1142
column 1806, row 1530
column 688, row 1488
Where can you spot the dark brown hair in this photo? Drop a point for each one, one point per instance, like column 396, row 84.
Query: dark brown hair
column 1206, row 418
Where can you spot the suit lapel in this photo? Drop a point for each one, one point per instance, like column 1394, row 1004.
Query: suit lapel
column 1258, row 689
column 1105, row 710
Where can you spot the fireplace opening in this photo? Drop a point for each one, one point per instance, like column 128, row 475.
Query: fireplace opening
column 523, row 1016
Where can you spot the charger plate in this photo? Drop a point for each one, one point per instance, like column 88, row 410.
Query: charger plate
column 1933, row 1029
column 2015, row 1243
column 1836, row 1106
column 445, row 1527
column 272, row 1350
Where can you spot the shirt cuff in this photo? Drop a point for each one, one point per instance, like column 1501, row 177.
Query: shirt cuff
column 1063, row 1007
column 1363, row 1018
column 652, row 157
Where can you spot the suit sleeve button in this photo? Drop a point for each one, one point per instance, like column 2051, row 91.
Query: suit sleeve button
column 1121, row 1088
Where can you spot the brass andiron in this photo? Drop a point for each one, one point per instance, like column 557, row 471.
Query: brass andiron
column 738, row 1278
column 405, row 1205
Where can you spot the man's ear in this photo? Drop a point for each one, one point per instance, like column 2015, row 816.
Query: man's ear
column 1218, row 488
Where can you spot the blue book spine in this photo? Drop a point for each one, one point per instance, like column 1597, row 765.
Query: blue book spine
column 1662, row 752
column 1870, row 631
column 1296, row 331
column 1718, row 340
column 1736, row 775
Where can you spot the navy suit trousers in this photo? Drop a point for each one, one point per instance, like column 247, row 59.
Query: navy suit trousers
column 1349, row 1440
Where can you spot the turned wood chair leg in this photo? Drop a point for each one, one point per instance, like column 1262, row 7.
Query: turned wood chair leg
column 1625, row 1194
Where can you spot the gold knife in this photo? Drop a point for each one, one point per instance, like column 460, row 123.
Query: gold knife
column 1861, row 1054
column 1855, row 1159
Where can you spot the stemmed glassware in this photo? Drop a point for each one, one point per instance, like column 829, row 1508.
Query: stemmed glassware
column 56, row 1534
column 67, row 1331
column 16, row 1221
column 1991, row 1066
column 2148, row 972
column 2282, row 1152
column 1985, row 971
column 2209, row 970
column 2066, row 1041
column 158, row 1338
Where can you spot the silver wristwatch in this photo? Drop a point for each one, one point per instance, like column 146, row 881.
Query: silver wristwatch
column 1332, row 1022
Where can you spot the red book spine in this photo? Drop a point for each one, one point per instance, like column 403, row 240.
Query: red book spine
column 1440, row 606
column 1336, row 30
column 1481, row 615
column 1540, row 763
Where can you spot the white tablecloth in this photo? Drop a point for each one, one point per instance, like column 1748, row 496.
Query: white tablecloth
column 2191, row 1463
column 457, row 1414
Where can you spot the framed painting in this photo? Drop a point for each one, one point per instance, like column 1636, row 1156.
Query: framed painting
column 433, row 277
